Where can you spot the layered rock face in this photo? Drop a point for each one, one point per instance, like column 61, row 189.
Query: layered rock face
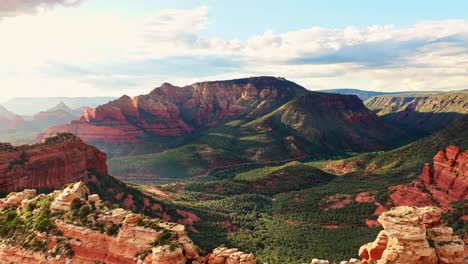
column 51, row 164
column 79, row 228
column 174, row 111
column 444, row 182
column 424, row 111
column 413, row 235
column 332, row 121
column 449, row 173
column 131, row 241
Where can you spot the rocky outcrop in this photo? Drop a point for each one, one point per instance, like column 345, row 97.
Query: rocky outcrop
column 174, row 111
column 450, row 172
column 444, row 182
column 55, row 162
column 132, row 240
column 16, row 198
column 66, row 197
column 79, row 228
column 223, row 255
column 413, row 235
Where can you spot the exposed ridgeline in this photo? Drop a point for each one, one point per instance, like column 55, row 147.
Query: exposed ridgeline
column 327, row 122
column 74, row 226
column 23, row 130
column 176, row 111
column 61, row 159
column 362, row 94
column 171, row 116
column 425, row 112
column 405, row 160
column 9, row 120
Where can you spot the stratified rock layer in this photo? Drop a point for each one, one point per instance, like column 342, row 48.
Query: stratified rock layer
column 442, row 183
column 450, row 172
column 422, row 111
column 413, row 235
column 174, row 111
column 51, row 164
column 86, row 231
column 131, row 242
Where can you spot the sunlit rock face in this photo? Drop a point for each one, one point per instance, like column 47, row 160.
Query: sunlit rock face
column 441, row 183
column 175, row 111
column 414, row 235
column 51, row 164
column 82, row 229
column 134, row 239
column 450, row 172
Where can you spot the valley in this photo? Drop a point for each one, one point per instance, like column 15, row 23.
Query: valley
column 233, row 132
column 271, row 168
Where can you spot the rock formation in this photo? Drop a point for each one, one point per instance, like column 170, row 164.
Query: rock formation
column 312, row 123
column 58, row 160
column 174, row 111
column 15, row 198
column 223, row 255
column 413, row 235
column 81, row 229
column 65, row 198
column 450, row 172
column 424, row 111
column 441, row 184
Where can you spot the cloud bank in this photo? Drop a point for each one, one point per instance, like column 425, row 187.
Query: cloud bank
column 109, row 54
column 21, row 7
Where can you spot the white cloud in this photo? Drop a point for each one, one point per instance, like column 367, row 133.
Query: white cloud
column 105, row 53
column 21, row 7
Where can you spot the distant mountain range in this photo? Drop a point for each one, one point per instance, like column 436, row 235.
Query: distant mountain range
column 28, row 106
column 362, row 94
column 262, row 112
column 20, row 129
column 422, row 111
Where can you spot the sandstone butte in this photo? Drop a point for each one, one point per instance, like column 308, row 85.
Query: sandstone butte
column 174, row 111
column 57, row 161
column 444, row 182
column 132, row 238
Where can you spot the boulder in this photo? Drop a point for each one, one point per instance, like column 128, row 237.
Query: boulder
column 16, row 198
column 63, row 201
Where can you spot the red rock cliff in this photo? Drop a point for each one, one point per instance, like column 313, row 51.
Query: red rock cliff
column 445, row 181
column 174, row 111
column 449, row 173
column 57, row 161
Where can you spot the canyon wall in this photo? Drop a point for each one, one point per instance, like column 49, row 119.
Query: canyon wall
column 57, row 161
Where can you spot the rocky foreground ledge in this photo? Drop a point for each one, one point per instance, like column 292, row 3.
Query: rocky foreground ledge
column 73, row 226
column 411, row 235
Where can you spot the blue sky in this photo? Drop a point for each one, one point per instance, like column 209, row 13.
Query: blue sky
column 114, row 47
column 243, row 18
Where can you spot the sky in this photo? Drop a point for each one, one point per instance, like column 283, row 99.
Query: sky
column 116, row 47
